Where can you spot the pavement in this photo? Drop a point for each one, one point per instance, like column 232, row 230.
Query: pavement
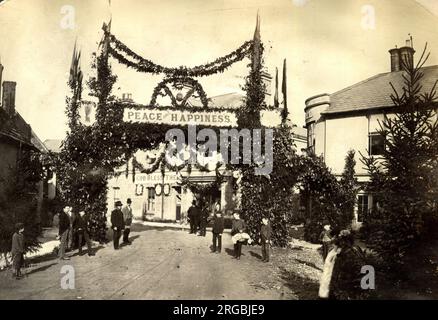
column 162, row 263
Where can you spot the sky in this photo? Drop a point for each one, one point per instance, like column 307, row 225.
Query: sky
column 328, row 44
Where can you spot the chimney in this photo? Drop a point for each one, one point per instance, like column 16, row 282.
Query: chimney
column 127, row 97
column 395, row 59
column 407, row 54
column 403, row 55
column 9, row 97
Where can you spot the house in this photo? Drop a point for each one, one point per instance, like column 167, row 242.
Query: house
column 349, row 119
column 16, row 139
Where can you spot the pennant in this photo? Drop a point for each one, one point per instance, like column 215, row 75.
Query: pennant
column 256, row 44
column 285, row 111
column 276, row 104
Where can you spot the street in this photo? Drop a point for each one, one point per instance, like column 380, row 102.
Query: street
column 160, row 264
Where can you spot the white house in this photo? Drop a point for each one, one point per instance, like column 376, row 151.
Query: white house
column 349, row 119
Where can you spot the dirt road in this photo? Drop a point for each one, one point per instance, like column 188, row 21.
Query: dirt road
column 160, row 264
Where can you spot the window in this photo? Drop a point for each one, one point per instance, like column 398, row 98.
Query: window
column 362, row 207
column 311, row 138
column 376, row 144
column 151, row 199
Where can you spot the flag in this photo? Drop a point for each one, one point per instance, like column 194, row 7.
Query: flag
column 256, row 44
column 76, row 76
column 276, row 104
column 285, row 111
column 104, row 43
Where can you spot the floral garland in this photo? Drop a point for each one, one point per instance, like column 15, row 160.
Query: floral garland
column 161, row 160
column 152, row 168
column 121, row 52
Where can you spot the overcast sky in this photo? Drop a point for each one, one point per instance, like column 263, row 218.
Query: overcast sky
column 327, row 43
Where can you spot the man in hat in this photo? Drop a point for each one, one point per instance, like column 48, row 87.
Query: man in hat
column 193, row 214
column 117, row 223
column 127, row 217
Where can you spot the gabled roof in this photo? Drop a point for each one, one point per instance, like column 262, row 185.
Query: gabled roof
column 53, row 145
column 14, row 128
column 37, row 143
column 375, row 92
column 232, row 100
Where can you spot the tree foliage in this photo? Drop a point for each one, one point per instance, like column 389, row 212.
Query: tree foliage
column 404, row 179
column 327, row 199
column 20, row 203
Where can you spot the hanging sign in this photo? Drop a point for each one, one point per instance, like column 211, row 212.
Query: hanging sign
column 179, row 117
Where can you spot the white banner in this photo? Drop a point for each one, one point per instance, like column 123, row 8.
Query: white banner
column 154, row 178
column 177, row 117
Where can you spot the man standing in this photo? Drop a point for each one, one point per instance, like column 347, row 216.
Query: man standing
column 192, row 214
column 203, row 221
column 117, row 223
column 218, row 229
column 81, row 229
column 127, row 217
column 265, row 235
column 71, row 235
column 64, row 230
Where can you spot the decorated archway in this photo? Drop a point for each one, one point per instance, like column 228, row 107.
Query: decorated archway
column 122, row 127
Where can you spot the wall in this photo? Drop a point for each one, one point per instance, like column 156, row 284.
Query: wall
column 8, row 162
column 343, row 134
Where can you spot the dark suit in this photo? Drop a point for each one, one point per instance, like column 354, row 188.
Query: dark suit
column 203, row 221
column 265, row 235
column 117, row 224
column 193, row 214
column 81, row 228
column 218, row 229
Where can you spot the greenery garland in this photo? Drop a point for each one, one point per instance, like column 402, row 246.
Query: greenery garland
column 120, row 52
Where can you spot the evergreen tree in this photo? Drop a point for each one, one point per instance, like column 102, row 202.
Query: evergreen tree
column 404, row 180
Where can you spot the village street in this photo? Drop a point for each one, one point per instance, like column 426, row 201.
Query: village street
column 171, row 264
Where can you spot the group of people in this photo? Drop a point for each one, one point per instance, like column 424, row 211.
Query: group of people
column 121, row 220
column 198, row 219
column 238, row 231
column 73, row 229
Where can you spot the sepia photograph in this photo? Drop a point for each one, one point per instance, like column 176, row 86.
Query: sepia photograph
column 218, row 154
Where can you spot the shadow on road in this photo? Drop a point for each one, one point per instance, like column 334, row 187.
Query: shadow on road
column 255, row 255
column 304, row 288
column 229, row 251
column 42, row 268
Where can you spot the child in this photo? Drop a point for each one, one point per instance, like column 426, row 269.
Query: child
column 326, row 239
column 218, row 229
column 238, row 235
column 265, row 235
column 18, row 250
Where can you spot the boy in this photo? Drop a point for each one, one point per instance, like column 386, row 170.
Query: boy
column 265, row 235
column 326, row 240
column 237, row 231
column 218, row 229
column 18, row 250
